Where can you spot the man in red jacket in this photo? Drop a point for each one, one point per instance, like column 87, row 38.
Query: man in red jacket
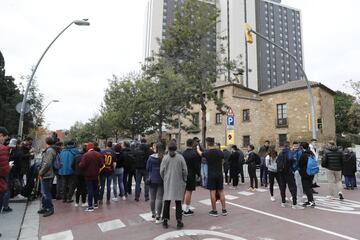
column 4, row 164
column 91, row 163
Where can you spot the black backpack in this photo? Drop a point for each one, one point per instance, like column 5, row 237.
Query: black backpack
column 257, row 160
column 281, row 161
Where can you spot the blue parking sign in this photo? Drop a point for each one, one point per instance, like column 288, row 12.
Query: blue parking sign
column 230, row 120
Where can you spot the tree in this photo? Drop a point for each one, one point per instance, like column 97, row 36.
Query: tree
column 347, row 113
column 125, row 104
column 188, row 50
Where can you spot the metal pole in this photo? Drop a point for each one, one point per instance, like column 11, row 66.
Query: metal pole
column 228, row 39
column 246, row 50
column 22, row 111
column 311, row 96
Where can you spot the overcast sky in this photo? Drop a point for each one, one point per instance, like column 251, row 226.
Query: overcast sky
column 76, row 68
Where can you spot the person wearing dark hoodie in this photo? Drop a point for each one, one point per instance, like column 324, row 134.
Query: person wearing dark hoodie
column 227, row 155
column 142, row 155
column 155, row 182
column 80, row 181
column 129, row 168
column 66, row 171
column 349, row 169
column 305, row 178
column 91, row 163
column 118, row 176
column 106, row 172
column 333, row 162
column 234, row 166
column 46, row 175
column 251, row 162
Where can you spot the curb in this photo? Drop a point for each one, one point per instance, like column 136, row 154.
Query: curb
column 30, row 226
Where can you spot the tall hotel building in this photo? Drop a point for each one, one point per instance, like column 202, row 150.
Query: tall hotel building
column 265, row 66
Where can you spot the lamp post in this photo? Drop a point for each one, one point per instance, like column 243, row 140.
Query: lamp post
column 83, row 22
column 248, row 30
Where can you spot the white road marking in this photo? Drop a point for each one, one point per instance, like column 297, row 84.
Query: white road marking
column 230, row 197
column 66, row 235
column 261, row 190
column 206, row 202
column 111, row 225
column 245, row 193
column 195, row 232
column 293, row 221
column 146, row 216
column 331, row 205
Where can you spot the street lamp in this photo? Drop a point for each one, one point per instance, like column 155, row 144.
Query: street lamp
column 83, row 22
column 249, row 39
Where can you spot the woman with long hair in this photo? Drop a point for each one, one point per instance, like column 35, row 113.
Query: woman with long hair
column 156, row 184
column 270, row 161
column 173, row 171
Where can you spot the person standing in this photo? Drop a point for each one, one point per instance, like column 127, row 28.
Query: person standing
column 5, row 166
column 118, row 176
column 129, row 166
column 333, row 162
column 215, row 184
column 305, row 178
column 66, row 171
column 142, row 155
column 174, row 172
column 191, row 158
column 46, row 175
column 251, row 162
column 263, row 170
column 91, row 163
column 106, row 172
column 156, row 184
column 349, row 169
column 285, row 163
column 227, row 155
column 296, row 152
column 234, row 166
column 80, row 180
column 270, row 161
column 315, row 151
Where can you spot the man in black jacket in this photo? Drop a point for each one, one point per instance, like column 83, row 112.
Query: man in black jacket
column 333, row 162
column 142, row 155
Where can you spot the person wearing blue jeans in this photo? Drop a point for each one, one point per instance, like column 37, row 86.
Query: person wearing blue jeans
column 92, row 189
column 204, row 172
column 118, row 180
column 141, row 174
column 6, row 197
column 46, row 199
column 105, row 177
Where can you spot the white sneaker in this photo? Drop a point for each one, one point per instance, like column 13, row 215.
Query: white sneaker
column 272, row 199
column 19, row 196
column 115, row 199
column 89, row 209
column 287, row 199
column 124, row 198
column 76, row 204
column 84, row 204
column 283, row 205
column 297, row 207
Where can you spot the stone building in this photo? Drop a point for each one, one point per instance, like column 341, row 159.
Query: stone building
column 279, row 114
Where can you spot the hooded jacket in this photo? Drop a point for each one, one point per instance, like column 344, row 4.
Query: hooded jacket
column 48, row 158
column 67, row 156
column 333, row 158
column 153, row 169
column 4, row 167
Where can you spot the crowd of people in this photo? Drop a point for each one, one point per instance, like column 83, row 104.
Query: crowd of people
column 165, row 174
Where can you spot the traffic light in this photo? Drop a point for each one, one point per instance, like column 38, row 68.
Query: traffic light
column 248, row 35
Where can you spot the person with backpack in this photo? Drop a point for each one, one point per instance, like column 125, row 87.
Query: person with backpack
column 106, row 172
column 306, row 175
column 349, row 169
column 66, row 171
column 263, row 151
column 270, row 162
column 142, row 155
column 284, row 163
column 296, row 152
column 234, row 166
column 252, row 161
column 46, row 176
column 59, row 191
column 155, row 182
column 129, row 166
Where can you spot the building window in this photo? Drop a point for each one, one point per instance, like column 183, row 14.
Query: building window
column 281, row 114
column 246, row 141
column 218, row 118
column 282, row 139
column 216, row 94
column 319, row 123
column 221, row 93
column 246, row 115
column 196, row 119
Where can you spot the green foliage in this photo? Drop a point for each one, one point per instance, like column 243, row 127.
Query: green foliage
column 347, row 113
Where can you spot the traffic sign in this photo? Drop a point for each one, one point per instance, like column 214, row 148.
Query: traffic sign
column 26, row 109
column 230, row 121
column 230, row 137
column 230, row 112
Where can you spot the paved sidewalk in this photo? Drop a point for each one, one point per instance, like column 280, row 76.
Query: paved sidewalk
column 30, row 227
column 10, row 223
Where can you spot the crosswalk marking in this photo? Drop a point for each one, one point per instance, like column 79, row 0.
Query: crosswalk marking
column 66, row 235
column 245, row 193
column 261, row 190
column 111, row 225
column 230, row 197
column 146, row 216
